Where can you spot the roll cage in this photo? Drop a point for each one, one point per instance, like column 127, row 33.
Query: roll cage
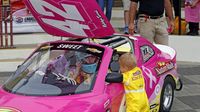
column 113, row 41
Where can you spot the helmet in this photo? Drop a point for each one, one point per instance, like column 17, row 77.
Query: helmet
column 89, row 68
column 81, row 56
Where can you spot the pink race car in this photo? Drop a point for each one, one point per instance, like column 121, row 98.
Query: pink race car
column 81, row 74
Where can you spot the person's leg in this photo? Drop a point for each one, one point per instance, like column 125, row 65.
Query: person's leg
column 195, row 29
column 109, row 5
column 191, row 28
column 161, row 36
column 176, row 7
column 101, row 4
column 146, row 28
column 126, row 5
column 126, row 21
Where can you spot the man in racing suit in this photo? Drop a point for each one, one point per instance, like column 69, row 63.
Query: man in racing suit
column 134, row 85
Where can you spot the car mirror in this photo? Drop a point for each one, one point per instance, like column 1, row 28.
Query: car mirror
column 114, row 77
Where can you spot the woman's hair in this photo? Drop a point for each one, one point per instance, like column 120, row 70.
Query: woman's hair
column 127, row 62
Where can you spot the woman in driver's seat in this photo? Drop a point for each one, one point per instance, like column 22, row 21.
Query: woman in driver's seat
column 87, row 69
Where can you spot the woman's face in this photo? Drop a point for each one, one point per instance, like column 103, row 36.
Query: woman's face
column 90, row 59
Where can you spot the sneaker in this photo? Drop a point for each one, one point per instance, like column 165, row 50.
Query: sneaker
column 126, row 30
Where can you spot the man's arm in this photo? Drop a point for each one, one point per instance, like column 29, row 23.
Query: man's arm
column 132, row 14
column 168, row 10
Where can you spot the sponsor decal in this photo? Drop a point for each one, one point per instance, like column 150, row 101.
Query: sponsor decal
column 106, row 103
column 8, row 109
column 154, row 108
column 157, row 89
column 29, row 19
column 137, row 75
column 45, row 47
column 19, row 20
column 163, row 67
column 147, row 52
column 150, row 75
column 94, row 50
column 70, row 46
column 100, row 18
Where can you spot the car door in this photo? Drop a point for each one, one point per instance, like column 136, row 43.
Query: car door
column 116, row 94
column 115, row 91
column 148, row 60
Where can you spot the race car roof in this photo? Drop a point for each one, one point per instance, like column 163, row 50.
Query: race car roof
column 71, row 18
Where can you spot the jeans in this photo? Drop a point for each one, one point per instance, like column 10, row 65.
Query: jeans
column 109, row 4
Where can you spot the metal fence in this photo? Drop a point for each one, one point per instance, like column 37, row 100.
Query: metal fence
column 6, row 37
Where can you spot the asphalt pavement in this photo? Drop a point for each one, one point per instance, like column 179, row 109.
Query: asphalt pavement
column 186, row 100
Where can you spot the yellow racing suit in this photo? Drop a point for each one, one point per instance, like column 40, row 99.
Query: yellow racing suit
column 136, row 97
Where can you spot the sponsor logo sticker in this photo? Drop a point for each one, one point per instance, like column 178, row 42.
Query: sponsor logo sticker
column 163, row 67
column 94, row 50
column 19, row 20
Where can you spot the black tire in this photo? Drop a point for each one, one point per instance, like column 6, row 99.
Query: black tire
column 167, row 95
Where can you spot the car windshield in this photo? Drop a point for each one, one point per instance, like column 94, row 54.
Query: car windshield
column 57, row 69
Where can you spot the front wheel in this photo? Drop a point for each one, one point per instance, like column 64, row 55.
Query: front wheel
column 167, row 95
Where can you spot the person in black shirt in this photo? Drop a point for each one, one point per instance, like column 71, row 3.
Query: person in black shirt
column 151, row 23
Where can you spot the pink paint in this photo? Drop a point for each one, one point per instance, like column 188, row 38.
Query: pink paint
column 69, row 18
column 192, row 14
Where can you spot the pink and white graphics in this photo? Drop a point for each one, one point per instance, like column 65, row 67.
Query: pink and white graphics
column 70, row 18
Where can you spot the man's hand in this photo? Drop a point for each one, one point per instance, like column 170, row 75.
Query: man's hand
column 168, row 9
column 171, row 26
column 131, row 28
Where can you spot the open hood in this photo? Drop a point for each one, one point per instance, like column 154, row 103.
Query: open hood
column 71, row 18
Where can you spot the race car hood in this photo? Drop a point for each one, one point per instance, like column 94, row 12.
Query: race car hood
column 76, row 103
column 70, row 18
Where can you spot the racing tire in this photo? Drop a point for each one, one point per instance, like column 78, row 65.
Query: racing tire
column 167, row 95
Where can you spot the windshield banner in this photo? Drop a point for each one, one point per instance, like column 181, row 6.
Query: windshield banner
column 71, row 18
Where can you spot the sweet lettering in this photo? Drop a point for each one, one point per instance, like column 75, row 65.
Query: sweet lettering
column 70, row 46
